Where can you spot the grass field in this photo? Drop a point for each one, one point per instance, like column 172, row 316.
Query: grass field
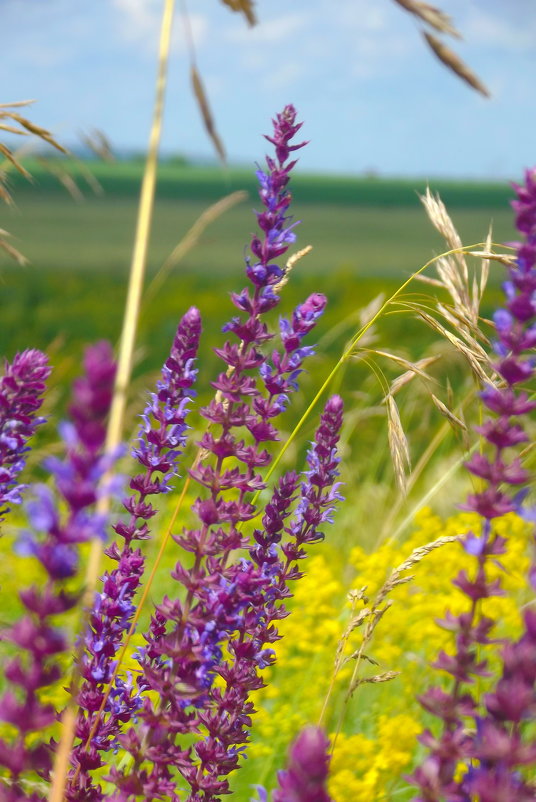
column 364, row 244
column 367, row 235
column 361, row 230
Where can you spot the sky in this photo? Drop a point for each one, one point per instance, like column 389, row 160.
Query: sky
column 372, row 95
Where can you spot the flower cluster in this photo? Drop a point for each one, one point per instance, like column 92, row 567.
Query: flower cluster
column 498, row 748
column 37, row 639
column 21, row 390
column 222, row 623
column 161, row 440
column 274, row 565
column 498, row 751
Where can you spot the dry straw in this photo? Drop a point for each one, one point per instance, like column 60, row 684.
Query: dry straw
column 12, row 122
column 352, row 347
column 442, row 23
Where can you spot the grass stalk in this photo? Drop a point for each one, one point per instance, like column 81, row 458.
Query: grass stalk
column 348, row 351
column 124, row 365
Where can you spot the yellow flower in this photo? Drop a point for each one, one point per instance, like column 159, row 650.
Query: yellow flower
column 377, row 743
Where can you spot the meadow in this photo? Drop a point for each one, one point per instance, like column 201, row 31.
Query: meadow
column 368, row 236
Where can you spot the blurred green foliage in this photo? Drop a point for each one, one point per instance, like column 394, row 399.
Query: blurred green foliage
column 368, row 235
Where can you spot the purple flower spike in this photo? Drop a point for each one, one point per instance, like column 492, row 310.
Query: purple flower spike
column 21, row 390
column 276, row 566
column 54, row 543
column 276, row 230
column 161, row 441
column 227, row 604
column 280, row 374
column 306, row 776
column 92, row 396
column 496, row 751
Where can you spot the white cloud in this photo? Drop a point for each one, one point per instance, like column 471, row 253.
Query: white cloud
column 513, row 33
column 360, row 14
column 284, row 76
column 140, row 22
column 140, row 17
column 269, row 32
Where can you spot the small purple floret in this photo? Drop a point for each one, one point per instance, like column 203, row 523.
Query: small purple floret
column 305, row 778
column 21, row 390
column 58, row 530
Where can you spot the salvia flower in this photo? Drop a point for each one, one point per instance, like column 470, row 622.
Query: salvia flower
column 21, row 390
column 501, row 757
column 161, row 441
column 188, row 637
column 227, row 715
column 53, row 543
column 496, row 778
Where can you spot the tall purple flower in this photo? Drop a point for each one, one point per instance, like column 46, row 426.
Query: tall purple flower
column 54, row 542
column 227, row 715
column 21, row 390
column 305, row 778
column 161, row 441
column 515, row 327
column 184, row 646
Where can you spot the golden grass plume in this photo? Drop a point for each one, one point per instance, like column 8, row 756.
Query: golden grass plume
column 12, row 122
column 440, row 22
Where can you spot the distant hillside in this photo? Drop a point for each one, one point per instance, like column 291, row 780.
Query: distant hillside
column 209, row 183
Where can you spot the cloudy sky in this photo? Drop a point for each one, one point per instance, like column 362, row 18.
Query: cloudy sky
column 372, row 95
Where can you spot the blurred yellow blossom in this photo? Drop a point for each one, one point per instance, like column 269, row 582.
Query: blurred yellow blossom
column 377, row 741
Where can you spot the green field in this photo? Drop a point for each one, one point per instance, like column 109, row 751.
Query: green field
column 362, row 231
column 370, row 227
column 367, row 236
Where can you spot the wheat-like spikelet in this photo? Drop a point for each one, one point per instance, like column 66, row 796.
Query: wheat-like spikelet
column 431, row 15
column 440, row 22
column 367, row 619
column 244, row 7
column 10, row 249
column 191, row 238
column 453, row 271
column 398, row 443
column 415, row 557
column 14, row 123
column 370, row 617
column 291, row 261
column 351, row 349
column 455, row 64
column 414, row 369
column 98, row 143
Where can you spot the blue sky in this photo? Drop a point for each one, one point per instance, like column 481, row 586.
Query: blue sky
column 371, row 94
